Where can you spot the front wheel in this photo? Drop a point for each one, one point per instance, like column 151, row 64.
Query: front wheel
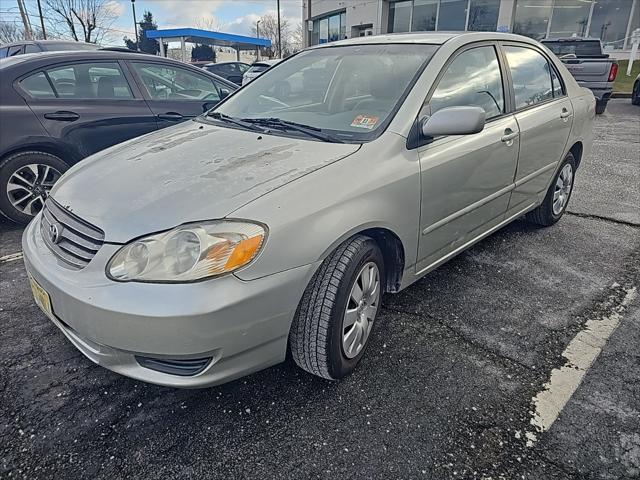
column 25, row 181
column 555, row 202
column 336, row 315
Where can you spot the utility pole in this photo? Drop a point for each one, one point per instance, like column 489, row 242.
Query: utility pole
column 44, row 33
column 25, row 20
column 258, row 36
column 279, row 34
column 135, row 24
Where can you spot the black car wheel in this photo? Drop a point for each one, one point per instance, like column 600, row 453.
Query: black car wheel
column 635, row 94
column 25, row 181
column 337, row 312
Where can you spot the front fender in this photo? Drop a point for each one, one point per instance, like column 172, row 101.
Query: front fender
column 376, row 187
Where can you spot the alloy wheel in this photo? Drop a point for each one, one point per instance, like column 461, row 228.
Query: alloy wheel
column 29, row 186
column 361, row 310
column 562, row 189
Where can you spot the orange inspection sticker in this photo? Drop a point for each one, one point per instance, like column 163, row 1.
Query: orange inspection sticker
column 365, row 121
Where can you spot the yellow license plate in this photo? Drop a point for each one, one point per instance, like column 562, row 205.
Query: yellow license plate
column 41, row 296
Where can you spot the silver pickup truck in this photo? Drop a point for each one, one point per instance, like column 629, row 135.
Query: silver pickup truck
column 586, row 61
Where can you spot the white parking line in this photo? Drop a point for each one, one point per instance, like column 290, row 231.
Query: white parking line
column 581, row 352
column 11, row 257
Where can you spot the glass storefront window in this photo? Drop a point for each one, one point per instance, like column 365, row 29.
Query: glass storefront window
column 453, row 14
column 424, row 15
column 343, row 25
column 569, row 17
column 324, row 30
column 399, row 16
column 334, row 28
column 532, row 18
column 609, row 22
column 483, row 15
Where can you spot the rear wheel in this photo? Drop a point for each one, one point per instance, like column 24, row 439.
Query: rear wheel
column 635, row 94
column 336, row 315
column 25, row 181
column 601, row 106
column 557, row 198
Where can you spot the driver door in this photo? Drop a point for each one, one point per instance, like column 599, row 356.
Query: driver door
column 467, row 180
column 173, row 93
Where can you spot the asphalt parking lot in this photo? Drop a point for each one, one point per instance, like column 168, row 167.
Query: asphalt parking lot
column 445, row 391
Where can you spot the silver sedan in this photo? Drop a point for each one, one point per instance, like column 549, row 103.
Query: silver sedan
column 276, row 221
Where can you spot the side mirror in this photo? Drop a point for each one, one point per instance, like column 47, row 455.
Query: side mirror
column 208, row 106
column 224, row 93
column 453, row 121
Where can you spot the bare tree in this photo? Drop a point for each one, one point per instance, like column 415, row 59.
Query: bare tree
column 269, row 29
column 212, row 23
column 82, row 20
column 10, row 32
column 297, row 38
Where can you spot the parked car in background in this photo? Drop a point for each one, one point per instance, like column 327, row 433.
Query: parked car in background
column 258, row 68
column 590, row 66
column 635, row 92
column 232, row 71
column 58, row 108
column 35, row 46
column 271, row 224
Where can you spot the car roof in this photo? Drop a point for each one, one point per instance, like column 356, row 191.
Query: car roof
column 570, row 39
column 224, row 63
column 42, row 59
column 431, row 38
column 45, row 42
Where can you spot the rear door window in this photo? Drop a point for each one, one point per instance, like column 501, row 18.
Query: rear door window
column 90, row 80
column 531, row 75
column 31, row 49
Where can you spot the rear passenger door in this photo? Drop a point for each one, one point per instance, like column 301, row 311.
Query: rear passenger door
column 87, row 105
column 173, row 93
column 544, row 114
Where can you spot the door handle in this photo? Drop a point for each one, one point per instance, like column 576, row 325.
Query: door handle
column 508, row 136
column 62, row 116
column 565, row 113
column 170, row 116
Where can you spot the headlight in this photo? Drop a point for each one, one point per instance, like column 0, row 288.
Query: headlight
column 189, row 252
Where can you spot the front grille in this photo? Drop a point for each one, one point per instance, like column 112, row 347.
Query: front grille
column 182, row 368
column 77, row 241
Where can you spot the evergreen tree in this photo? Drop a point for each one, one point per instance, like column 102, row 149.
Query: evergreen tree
column 147, row 45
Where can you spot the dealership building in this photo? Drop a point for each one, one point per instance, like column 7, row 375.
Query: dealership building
column 612, row 21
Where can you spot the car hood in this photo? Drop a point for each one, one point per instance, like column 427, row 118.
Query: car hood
column 189, row 172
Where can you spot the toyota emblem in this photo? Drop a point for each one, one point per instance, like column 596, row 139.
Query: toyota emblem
column 54, row 232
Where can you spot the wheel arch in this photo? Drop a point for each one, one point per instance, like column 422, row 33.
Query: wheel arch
column 577, row 149
column 391, row 246
column 67, row 155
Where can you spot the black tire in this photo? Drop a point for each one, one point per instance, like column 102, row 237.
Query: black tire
column 635, row 94
column 11, row 164
column 601, row 106
column 315, row 338
column 543, row 214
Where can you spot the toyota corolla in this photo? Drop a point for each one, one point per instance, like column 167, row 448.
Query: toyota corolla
column 276, row 221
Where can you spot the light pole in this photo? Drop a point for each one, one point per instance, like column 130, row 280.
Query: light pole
column 279, row 34
column 258, row 36
column 135, row 24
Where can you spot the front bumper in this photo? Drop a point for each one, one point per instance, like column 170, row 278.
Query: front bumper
column 241, row 325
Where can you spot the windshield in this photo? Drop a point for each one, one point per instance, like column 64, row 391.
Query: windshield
column 348, row 91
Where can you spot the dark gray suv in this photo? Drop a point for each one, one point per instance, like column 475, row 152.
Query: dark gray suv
column 60, row 107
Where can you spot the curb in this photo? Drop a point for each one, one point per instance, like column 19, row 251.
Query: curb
column 621, row 95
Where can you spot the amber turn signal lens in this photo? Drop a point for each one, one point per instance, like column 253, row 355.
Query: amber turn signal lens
column 244, row 252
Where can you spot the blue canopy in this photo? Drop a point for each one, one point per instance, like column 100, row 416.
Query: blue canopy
column 195, row 35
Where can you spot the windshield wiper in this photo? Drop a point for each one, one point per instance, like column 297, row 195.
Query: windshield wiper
column 236, row 121
column 278, row 123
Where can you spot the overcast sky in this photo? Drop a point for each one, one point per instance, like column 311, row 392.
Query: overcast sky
column 237, row 16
